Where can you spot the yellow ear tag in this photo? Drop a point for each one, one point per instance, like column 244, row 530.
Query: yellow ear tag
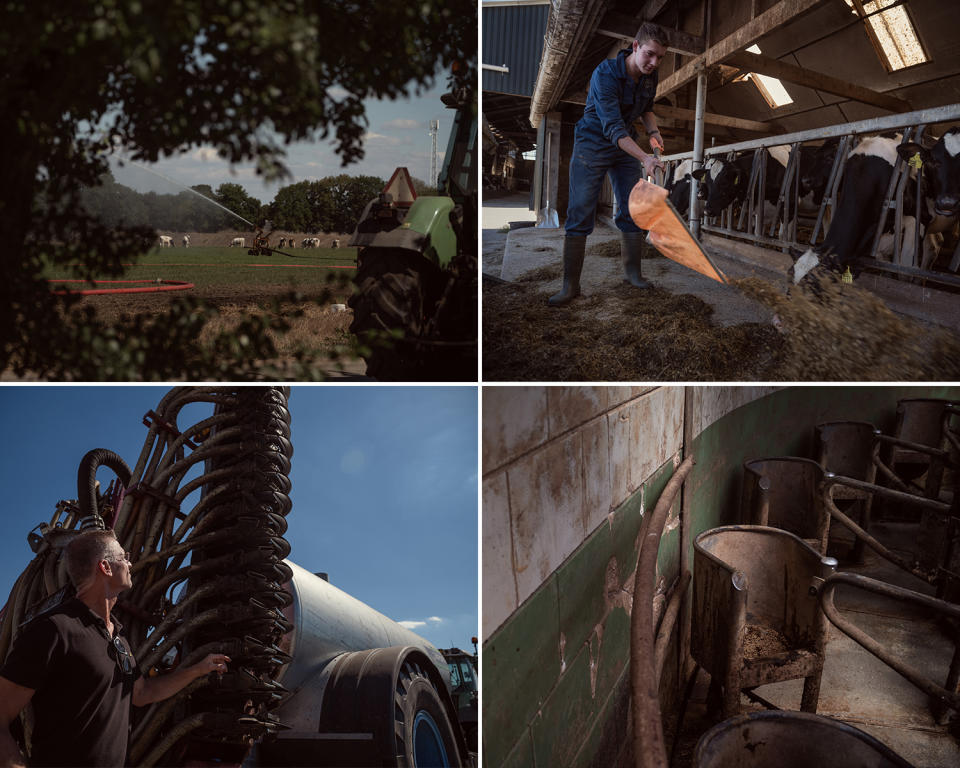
column 915, row 162
column 847, row 276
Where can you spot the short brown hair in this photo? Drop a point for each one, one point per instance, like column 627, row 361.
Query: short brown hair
column 650, row 31
column 84, row 551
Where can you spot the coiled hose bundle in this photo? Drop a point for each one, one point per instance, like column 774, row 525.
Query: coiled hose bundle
column 207, row 579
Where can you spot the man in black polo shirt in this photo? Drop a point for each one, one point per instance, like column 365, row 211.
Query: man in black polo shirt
column 73, row 665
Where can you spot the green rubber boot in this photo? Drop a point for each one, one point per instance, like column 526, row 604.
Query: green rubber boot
column 573, row 249
column 632, row 245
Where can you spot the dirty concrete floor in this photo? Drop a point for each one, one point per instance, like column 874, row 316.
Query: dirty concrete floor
column 856, row 687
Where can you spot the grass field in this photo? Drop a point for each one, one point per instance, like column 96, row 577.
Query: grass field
column 219, row 267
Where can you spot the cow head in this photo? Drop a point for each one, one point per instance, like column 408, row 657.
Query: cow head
column 723, row 183
column 941, row 170
column 815, row 173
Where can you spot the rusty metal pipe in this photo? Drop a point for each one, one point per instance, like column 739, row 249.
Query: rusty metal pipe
column 649, row 747
column 951, row 698
column 669, row 621
column 871, row 542
column 831, row 479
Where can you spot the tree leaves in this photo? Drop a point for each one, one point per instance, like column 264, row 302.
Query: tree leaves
column 158, row 77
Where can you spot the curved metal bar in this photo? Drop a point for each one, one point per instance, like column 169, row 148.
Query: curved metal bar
column 951, row 698
column 649, row 747
column 669, row 621
column 831, row 481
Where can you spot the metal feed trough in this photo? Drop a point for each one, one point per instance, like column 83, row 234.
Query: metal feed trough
column 785, row 492
column 847, row 448
column 756, row 618
column 791, row 740
column 752, row 226
column 924, row 421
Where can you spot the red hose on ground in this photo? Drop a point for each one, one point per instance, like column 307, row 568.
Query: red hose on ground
column 154, row 287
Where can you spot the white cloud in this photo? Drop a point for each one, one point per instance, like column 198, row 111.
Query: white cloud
column 336, row 92
column 353, row 461
column 412, row 624
column 205, row 153
column 403, row 123
column 435, row 619
column 379, row 138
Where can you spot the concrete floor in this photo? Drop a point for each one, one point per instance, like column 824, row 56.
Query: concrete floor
column 856, row 687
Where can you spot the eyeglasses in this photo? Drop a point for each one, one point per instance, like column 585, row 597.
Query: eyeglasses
column 125, row 557
column 124, row 656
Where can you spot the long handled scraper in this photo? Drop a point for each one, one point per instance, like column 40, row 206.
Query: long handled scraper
column 651, row 210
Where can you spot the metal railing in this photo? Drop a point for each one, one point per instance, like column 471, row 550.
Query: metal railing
column 782, row 232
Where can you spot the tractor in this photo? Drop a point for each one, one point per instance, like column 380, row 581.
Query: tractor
column 415, row 299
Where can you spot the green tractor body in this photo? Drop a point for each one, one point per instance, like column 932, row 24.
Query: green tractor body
column 415, row 298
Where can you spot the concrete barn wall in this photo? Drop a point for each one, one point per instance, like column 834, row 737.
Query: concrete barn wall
column 568, row 473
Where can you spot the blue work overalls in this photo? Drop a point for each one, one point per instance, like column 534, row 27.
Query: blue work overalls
column 614, row 104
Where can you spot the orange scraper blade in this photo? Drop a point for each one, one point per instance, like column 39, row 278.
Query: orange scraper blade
column 650, row 209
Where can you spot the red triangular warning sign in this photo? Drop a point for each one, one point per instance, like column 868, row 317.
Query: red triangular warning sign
column 400, row 187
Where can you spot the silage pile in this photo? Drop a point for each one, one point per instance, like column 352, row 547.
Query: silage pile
column 839, row 332
column 617, row 335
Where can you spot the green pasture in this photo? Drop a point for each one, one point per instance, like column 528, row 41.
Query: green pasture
column 213, row 267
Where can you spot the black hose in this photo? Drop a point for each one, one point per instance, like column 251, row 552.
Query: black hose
column 87, row 477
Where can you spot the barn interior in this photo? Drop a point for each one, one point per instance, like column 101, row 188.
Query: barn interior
column 625, row 529
column 738, row 76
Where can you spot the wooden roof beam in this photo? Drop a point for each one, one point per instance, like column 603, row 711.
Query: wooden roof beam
column 766, row 65
column 678, row 113
column 620, row 26
column 749, row 33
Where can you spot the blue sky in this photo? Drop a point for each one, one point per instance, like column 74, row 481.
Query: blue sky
column 384, row 486
column 397, row 135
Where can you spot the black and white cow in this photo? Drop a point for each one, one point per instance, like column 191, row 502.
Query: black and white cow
column 863, row 188
column 726, row 181
column 941, row 190
column 679, row 186
column 815, row 166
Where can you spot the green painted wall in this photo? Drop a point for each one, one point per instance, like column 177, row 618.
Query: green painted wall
column 541, row 708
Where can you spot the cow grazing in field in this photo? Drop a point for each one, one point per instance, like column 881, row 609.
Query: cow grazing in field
column 283, row 242
column 238, row 242
column 861, row 194
column 335, row 243
column 186, row 241
column 292, row 243
column 166, row 241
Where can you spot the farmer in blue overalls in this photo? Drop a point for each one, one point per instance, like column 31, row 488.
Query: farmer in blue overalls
column 621, row 92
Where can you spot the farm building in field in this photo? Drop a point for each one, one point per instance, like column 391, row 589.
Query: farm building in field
column 671, row 576
column 740, row 77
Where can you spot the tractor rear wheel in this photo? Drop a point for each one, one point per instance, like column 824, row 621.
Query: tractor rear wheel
column 395, row 296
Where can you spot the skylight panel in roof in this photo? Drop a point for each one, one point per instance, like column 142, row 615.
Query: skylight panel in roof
column 893, row 32
column 770, row 88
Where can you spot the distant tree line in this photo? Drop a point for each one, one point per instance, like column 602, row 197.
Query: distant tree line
column 331, row 204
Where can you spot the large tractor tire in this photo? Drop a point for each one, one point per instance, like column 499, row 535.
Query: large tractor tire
column 400, row 308
column 397, row 696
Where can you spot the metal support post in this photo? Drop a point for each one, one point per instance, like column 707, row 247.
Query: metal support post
column 698, row 148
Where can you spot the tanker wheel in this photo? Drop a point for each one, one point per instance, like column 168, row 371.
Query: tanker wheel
column 424, row 734
column 395, row 291
column 397, row 697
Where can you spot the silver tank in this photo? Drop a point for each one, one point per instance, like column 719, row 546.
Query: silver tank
column 327, row 622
